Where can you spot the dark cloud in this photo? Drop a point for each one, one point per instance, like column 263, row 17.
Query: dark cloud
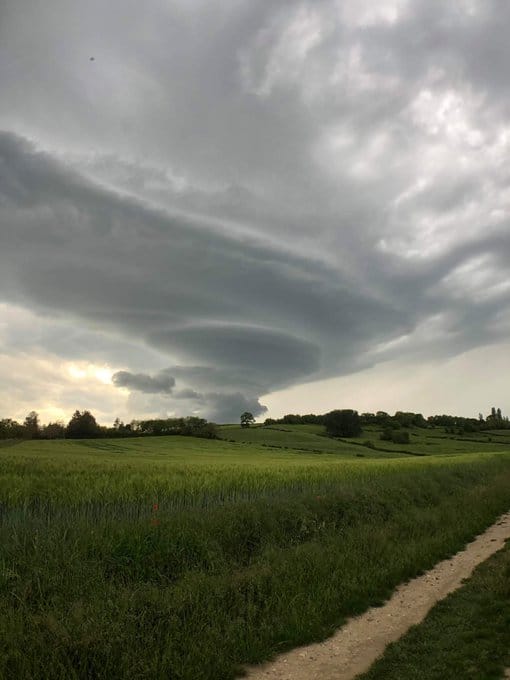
column 260, row 357
column 264, row 316
column 161, row 383
column 254, row 195
column 226, row 408
column 188, row 393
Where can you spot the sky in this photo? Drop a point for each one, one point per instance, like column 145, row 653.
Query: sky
column 208, row 207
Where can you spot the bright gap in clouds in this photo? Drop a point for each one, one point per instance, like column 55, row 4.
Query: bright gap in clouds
column 84, row 371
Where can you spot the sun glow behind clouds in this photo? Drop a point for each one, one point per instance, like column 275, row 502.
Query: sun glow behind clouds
column 55, row 388
column 86, row 371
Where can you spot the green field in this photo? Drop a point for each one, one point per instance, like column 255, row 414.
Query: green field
column 184, row 558
column 433, row 441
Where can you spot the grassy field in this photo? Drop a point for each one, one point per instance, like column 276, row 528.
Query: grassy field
column 306, row 438
column 433, row 441
column 183, row 558
column 467, row 635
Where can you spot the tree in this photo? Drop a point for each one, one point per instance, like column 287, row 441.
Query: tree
column 247, row 419
column 382, row 418
column 291, row 419
column 408, row 418
column 343, row 423
column 53, row 431
column 31, row 425
column 192, row 426
column 11, row 429
column 82, row 426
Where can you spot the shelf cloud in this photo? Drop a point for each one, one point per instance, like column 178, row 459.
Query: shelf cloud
column 242, row 199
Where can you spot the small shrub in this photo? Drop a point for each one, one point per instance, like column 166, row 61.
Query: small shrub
column 395, row 436
column 386, row 434
column 400, row 437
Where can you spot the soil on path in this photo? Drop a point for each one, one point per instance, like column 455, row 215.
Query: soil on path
column 355, row 646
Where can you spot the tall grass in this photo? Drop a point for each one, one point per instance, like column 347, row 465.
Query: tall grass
column 188, row 560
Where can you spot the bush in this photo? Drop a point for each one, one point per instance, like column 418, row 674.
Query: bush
column 400, row 437
column 395, row 436
column 386, row 435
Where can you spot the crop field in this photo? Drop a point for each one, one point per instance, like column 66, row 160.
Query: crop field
column 436, row 441
column 182, row 558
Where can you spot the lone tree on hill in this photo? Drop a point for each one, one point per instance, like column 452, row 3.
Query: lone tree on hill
column 247, row 419
column 343, row 423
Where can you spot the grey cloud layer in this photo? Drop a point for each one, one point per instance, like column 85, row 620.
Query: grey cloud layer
column 162, row 383
column 254, row 315
column 324, row 185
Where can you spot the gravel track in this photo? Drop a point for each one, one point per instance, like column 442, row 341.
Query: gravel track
column 354, row 647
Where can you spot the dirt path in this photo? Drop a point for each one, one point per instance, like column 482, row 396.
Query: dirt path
column 354, row 648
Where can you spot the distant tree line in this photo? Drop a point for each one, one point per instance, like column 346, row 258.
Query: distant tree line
column 338, row 423
column 83, row 425
column 192, row 426
column 401, row 418
column 459, row 425
column 348, row 423
column 294, row 419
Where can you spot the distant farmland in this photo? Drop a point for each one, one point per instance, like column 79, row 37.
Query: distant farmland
column 173, row 557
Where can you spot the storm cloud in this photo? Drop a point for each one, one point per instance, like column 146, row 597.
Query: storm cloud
column 162, row 383
column 240, row 199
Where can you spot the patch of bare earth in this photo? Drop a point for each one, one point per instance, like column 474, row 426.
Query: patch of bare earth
column 355, row 647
